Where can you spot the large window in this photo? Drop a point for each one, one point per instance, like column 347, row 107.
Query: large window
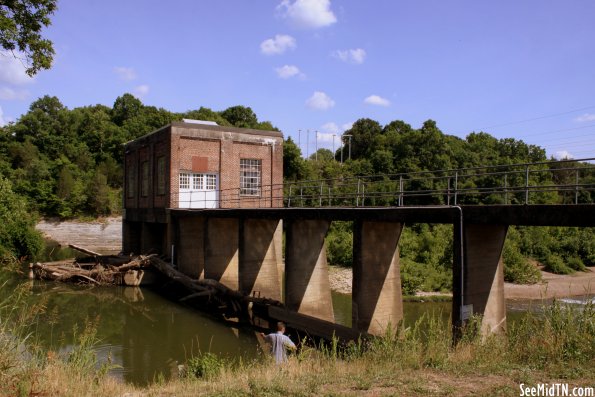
column 144, row 187
column 161, row 175
column 250, row 177
column 130, row 180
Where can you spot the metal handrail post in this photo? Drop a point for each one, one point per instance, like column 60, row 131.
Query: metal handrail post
column 576, row 187
column 506, row 189
column 456, row 185
column 526, row 184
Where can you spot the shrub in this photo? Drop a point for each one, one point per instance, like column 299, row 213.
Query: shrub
column 576, row 263
column 340, row 244
column 205, row 365
column 18, row 237
column 555, row 264
column 517, row 268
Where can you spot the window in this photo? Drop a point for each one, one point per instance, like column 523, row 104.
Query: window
column 250, row 177
column 184, row 180
column 198, row 181
column 211, row 182
column 161, row 175
column 130, row 171
column 144, row 188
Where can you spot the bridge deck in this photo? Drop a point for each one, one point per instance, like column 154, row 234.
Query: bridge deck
column 525, row 215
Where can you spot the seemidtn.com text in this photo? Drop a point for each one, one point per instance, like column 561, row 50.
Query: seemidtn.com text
column 556, row 390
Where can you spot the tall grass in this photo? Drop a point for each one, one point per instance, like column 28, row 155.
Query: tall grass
column 410, row 359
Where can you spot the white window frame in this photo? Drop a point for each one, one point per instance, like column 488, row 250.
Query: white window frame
column 250, row 177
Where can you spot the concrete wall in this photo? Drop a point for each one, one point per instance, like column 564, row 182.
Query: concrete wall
column 377, row 298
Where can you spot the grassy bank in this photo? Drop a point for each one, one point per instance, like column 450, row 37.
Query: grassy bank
column 418, row 359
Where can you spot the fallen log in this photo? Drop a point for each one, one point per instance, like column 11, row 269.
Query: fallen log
column 83, row 250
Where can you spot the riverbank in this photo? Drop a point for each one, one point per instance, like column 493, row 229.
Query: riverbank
column 105, row 235
column 419, row 361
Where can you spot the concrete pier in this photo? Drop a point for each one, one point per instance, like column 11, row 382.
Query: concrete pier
column 377, row 297
column 307, row 285
column 258, row 260
column 222, row 251
column 484, row 274
column 189, row 249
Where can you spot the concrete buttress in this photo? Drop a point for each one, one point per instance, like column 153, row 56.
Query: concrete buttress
column 222, row 251
column 190, row 246
column 307, row 285
column 484, row 274
column 258, row 259
column 377, row 298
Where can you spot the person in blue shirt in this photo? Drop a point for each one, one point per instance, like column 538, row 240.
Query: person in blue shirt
column 280, row 343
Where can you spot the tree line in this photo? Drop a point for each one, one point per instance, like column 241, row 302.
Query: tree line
column 60, row 162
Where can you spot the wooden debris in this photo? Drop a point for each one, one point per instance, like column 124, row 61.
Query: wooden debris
column 83, row 250
column 99, row 271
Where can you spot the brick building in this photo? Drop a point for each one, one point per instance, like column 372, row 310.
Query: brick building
column 194, row 164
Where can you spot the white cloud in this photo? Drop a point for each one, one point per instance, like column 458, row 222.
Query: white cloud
column 12, row 70
column 140, row 91
column 8, row 94
column 563, row 154
column 277, row 45
column 585, row 117
column 289, row 71
column 320, row 101
column 307, row 14
column 377, row 101
column 356, row 55
column 4, row 120
column 125, row 73
column 330, row 127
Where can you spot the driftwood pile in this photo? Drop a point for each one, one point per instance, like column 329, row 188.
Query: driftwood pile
column 95, row 269
column 132, row 271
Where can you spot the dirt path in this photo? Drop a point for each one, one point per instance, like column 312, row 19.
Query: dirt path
column 106, row 236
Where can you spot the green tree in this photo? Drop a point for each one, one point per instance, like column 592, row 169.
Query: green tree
column 125, row 107
column 240, row 116
column 293, row 163
column 21, row 22
column 18, row 237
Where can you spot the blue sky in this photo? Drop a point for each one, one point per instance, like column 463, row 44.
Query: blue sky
column 522, row 69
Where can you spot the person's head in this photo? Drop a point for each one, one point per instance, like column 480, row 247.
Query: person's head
column 280, row 327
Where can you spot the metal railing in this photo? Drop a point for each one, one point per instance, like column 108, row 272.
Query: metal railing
column 551, row 182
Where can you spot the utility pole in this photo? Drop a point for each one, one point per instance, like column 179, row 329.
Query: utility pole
column 307, row 144
column 316, row 146
column 342, row 145
column 300, row 140
column 334, row 135
column 349, row 136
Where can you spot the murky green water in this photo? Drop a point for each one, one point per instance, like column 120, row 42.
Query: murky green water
column 147, row 335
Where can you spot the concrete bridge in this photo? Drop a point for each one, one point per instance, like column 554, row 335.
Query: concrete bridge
column 243, row 249
column 241, row 244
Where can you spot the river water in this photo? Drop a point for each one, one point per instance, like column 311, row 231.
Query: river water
column 147, row 336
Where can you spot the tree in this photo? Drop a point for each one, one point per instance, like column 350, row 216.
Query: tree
column 125, row 107
column 293, row 163
column 363, row 133
column 240, row 116
column 21, row 22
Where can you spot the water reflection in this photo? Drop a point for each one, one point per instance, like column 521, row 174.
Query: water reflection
column 142, row 332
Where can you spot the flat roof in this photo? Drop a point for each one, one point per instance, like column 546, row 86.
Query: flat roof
column 219, row 128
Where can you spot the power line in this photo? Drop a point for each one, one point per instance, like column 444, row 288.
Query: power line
column 536, row 118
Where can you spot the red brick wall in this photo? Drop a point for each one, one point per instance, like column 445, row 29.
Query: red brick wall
column 223, row 157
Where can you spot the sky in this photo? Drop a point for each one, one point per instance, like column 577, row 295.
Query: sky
column 523, row 69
